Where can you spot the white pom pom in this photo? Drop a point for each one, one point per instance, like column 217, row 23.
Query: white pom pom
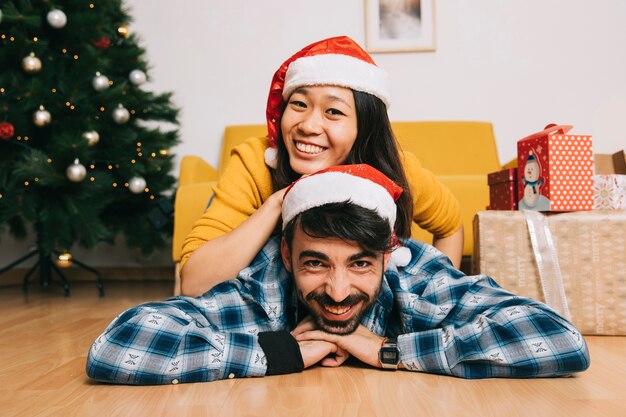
column 271, row 157
column 401, row 256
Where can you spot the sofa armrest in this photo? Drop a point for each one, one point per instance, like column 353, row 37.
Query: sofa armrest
column 194, row 169
column 472, row 192
column 190, row 203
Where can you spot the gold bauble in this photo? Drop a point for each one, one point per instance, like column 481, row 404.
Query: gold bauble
column 64, row 260
column 123, row 30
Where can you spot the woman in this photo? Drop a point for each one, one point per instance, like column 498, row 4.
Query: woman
column 327, row 106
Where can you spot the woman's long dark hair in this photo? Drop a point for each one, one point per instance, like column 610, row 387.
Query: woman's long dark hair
column 375, row 145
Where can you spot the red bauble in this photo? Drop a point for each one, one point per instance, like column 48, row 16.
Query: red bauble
column 102, row 43
column 6, row 130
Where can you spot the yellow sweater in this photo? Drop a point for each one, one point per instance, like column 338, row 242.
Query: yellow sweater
column 246, row 183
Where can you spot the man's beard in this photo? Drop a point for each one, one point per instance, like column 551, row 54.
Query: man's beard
column 340, row 327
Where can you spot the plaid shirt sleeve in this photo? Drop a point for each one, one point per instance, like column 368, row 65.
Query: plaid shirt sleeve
column 470, row 327
column 186, row 339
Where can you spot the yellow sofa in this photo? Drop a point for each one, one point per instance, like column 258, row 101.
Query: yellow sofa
column 459, row 153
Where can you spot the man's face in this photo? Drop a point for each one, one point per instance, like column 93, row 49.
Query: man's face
column 337, row 280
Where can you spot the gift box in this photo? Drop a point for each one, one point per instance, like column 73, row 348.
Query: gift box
column 590, row 252
column 609, row 183
column 503, row 189
column 555, row 171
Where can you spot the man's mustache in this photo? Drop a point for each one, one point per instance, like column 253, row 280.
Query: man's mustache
column 325, row 300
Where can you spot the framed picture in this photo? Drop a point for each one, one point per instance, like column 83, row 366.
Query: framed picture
column 400, row 25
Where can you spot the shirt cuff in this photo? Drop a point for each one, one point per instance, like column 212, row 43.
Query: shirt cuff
column 282, row 352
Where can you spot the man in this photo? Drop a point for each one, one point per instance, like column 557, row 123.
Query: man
column 332, row 288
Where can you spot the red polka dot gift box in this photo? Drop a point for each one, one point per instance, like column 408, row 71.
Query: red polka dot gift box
column 555, row 171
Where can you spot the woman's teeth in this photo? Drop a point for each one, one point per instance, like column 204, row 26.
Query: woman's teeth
column 308, row 148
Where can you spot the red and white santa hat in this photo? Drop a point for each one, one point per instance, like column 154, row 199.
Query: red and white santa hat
column 335, row 61
column 360, row 184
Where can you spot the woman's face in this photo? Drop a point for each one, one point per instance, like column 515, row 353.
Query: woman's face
column 319, row 127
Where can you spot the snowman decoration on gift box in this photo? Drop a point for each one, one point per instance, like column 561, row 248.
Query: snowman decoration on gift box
column 532, row 183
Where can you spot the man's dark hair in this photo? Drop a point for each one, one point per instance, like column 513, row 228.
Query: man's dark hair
column 375, row 145
column 346, row 221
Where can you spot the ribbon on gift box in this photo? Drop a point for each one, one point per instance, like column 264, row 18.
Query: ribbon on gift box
column 547, row 262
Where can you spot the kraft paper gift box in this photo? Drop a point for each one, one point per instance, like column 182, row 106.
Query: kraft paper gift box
column 609, row 188
column 555, row 171
column 503, row 189
column 590, row 249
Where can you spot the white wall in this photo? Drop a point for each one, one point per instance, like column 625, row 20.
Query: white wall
column 517, row 63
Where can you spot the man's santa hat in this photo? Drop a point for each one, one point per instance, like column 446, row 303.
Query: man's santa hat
column 335, row 61
column 359, row 184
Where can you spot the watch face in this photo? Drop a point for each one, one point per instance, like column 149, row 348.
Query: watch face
column 389, row 355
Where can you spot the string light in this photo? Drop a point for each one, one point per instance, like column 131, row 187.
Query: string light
column 35, row 39
column 76, row 57
column 54, row 90
column 91, row 5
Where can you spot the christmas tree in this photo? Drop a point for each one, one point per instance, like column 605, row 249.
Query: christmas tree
column 84, row 153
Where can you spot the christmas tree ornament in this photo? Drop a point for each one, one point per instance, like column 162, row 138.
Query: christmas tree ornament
column 6, row 130
column 76, row 172
column 31, row 64
column 42, row 117
column 121, row 115
column 137, row 77
column 92, row 137
column 64, row 260
column 123, row 31
column 56, row 18
column 100, row 82
column 102, row 43
column 137, row 185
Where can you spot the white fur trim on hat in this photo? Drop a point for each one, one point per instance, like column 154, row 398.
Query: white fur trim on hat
column 337, row 187
column 401, row 256
column 271, row 157
column 340, row 70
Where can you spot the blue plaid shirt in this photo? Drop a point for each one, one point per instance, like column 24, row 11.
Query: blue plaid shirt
column 445, row 322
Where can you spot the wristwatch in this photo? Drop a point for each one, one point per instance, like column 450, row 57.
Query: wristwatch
column 389, row 355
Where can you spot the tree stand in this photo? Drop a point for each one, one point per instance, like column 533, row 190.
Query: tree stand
column 46, row 266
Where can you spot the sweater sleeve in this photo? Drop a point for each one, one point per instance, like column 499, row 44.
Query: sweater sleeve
column 242, row 188
column 435, row 208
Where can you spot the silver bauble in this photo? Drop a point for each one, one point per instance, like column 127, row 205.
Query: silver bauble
column 56, row 18
column 137, row 185
column 76, row 172
column 100, row 82
column 42, row 117
column 120, row 115
column 92, row 137
column 137, row 77
column 31, row 64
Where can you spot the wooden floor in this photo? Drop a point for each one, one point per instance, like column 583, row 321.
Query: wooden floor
column 44, row 339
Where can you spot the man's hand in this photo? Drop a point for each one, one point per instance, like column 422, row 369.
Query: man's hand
column 362, row 344
column 314, row 351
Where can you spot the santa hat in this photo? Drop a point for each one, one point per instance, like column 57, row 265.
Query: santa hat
column 359, row 184
column 335, row 61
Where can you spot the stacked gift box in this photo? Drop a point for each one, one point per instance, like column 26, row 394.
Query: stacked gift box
column 584, row 221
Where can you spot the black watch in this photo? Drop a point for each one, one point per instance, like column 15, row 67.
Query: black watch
column 389, row 355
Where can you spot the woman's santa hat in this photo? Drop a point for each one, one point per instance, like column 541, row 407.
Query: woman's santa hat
column 335, row 61
column 359, row 184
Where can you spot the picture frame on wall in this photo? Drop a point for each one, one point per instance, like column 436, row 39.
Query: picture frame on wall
column 400, row 25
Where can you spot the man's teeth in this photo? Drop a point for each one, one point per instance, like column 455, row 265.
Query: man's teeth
column 337, row 310
column 308, row 148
